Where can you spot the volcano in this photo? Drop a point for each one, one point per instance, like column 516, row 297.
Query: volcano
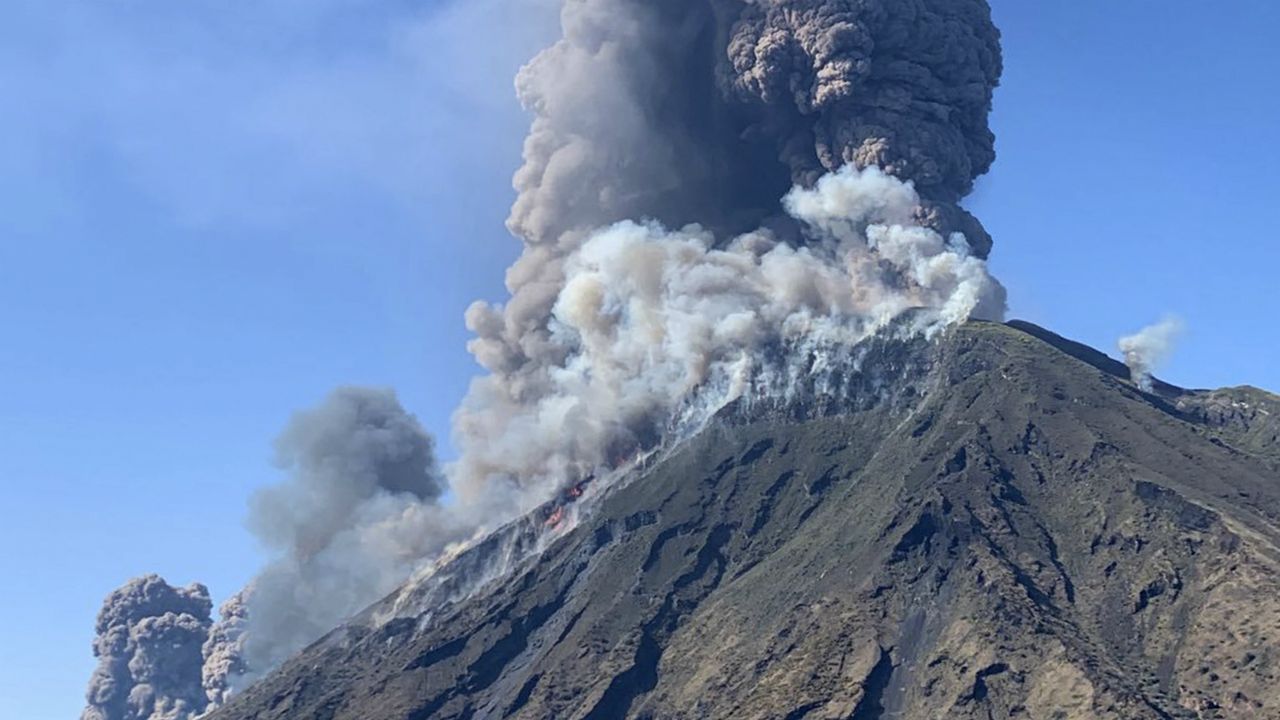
column 996, row 523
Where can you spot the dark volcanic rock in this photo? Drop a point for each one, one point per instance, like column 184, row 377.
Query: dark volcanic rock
column 1017, row 532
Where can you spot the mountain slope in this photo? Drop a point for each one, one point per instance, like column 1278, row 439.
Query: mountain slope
column 1006, row 527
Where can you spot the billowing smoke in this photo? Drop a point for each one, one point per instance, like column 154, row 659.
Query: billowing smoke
column 718, row 199
column 671, row 112
column 901, row 85
column 356, row 515
column 709, row 110
column 148, row 650
column 223, row 651
column 656, row 328
column 1146, row 350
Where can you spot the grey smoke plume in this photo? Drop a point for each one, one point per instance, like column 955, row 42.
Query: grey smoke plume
column 718, row 199
column 223, row 651
column 355, row 516
column 1150, row 347
column 671, row 112
column 903, row 85
column 360, row 444
column 148, row 650
column 707, row 111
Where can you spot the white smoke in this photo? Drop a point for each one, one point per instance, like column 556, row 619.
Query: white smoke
column 1146, row 350
column 647, row 318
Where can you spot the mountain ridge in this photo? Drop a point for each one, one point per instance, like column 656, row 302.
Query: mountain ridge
column 1021, row 532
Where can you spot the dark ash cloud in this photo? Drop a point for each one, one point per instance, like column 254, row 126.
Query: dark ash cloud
column 148, row 648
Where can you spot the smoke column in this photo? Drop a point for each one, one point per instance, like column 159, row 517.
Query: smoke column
column 718, row 199
column 148, row 650
column 670, row 113
column 355, row 516
column 1150, row 347
column 223, row 651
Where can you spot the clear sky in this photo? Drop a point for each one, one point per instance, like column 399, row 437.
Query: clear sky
column 213, row 212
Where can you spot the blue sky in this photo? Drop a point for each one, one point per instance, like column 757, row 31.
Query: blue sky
column 213, row 212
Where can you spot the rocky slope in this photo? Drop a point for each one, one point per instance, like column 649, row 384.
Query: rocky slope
column 1000, row 526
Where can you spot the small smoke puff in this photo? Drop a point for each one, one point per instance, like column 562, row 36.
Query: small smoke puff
column 148, row 645
column 1146, row 350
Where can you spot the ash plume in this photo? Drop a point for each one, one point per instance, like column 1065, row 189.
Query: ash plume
column 718, row 199
column 223, row 651
column 1146, row 350
column 693, row 120
column 356, row 514
column 148, row 649
column 707, row 111
column 905, row 86
column 705, row 183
